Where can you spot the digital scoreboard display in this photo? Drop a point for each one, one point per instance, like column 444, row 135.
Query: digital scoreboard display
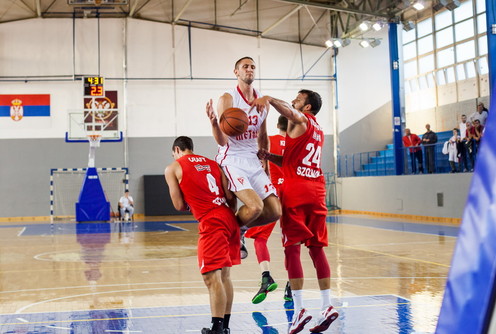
column 93, row 86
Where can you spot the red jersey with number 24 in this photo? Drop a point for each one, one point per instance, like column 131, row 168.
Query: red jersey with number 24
column 302, row 155
column 201, row 184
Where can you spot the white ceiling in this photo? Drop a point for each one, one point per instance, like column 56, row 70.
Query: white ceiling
column 301, row 21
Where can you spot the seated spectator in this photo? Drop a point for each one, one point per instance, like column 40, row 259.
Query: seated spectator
column 412, row 140
column 126, row 203
column 453, row 150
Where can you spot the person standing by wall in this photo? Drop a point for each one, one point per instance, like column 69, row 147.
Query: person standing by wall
column 429, row 139
column 412, row 140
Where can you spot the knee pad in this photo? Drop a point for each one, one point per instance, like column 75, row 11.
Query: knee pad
column 293, row 261
column 320, row 262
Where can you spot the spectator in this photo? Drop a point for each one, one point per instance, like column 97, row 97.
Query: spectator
column 429, row 139
column 126, row 203
column 470, row 145
column 464, row 143
column 480, row 114
column 412, row 140
column 453, row 150
column 478, row 131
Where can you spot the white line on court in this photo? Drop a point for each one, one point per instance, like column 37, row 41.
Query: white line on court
column 22, row 231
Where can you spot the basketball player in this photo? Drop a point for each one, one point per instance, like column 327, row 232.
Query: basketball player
column 261, row 234
column 198, row 184
column 238, row 155
column 303, row 202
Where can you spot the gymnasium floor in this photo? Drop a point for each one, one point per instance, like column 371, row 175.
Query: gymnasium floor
column 388, row 277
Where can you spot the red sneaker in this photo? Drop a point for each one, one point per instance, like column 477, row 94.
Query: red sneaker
column 326, row 318
column 299, row 321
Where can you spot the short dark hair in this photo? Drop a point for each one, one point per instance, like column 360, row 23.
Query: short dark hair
column 282, row 123
column 184, row 143
column 241, row 59
column 126, row 191
column 313, row 99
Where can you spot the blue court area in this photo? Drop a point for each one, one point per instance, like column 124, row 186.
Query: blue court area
column 366, row 314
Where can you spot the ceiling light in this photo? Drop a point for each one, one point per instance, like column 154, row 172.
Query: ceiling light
column 418, row 5
column 408, row 25
column 364, row 26
column 365, row 43
column 375, row 42
column 329, row 43
column 378, row 25
column 338, row 43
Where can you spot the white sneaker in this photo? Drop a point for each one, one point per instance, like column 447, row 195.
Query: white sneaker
column 326, row 318
column 300, row 319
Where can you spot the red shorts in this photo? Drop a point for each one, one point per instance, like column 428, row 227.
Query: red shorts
column 218, row 242
column 262, row 232
column 304, row 213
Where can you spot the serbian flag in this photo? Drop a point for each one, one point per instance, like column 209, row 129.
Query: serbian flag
column 19, row 106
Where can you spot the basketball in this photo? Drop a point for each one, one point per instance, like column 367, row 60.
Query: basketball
column 233, row 122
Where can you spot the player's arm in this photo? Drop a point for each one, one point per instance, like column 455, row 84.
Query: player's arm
column 174, row 190
column 282, row 107
column 274, row 158
column 263, row 141
column 232, row 201
column 225, row 102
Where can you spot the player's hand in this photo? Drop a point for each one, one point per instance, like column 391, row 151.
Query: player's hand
column 212, row 115
column 263, row 154
column 261, row 104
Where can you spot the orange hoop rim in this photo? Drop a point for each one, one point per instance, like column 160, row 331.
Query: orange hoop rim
column 94, row 137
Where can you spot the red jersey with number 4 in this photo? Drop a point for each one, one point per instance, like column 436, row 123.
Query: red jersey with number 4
column 277, row 144
column 302, row 155
column 201, row 184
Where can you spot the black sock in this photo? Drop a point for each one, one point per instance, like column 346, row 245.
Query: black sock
column 217, row 324
column 227, row 317
column 266, row 274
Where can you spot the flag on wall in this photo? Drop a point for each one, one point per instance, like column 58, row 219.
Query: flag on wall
column 19, row 106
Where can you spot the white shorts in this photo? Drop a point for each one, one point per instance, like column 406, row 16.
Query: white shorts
column 245, row 173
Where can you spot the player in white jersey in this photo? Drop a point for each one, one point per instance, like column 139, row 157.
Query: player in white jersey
column 238, row 154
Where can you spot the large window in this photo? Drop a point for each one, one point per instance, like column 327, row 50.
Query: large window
column 449, row 46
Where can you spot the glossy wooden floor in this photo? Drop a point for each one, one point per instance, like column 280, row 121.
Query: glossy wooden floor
column 388, row 276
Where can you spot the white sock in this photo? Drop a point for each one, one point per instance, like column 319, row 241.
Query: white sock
column 297, row 300
column 325, row 296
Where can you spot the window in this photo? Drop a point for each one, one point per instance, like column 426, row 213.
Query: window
column 408, row 36
column 460, row 72
column 464, row 30
column 426, row 64
column 444, row 19
column 470, row 67
column 483, row 45
column 410, row 69
column 440, row 78
column 482, row 66
column 465, row 51
column 481, row 24
column 410, row 51
column 444, row 37
column 450, row 75
column 481, row 6
column 424, row 27
column 464, row 11
column 425, row 45
column 445, row 57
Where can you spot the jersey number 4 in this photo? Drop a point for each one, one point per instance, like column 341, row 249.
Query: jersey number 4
column 313, row 156
column 212, row 184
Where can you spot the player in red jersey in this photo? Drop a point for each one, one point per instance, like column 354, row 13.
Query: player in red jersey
column 198, row 184
column 261, row 234
column 304, row 211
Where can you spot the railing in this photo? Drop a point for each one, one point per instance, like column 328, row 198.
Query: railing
column 381, row 163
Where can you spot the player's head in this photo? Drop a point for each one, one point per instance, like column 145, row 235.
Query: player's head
column 307, row 101
column 282, row 123
column 181, row 146
column 244, row 69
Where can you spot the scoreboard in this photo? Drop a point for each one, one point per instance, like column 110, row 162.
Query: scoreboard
column 93, row 86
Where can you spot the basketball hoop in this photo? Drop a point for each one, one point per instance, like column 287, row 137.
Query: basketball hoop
column 94, row 140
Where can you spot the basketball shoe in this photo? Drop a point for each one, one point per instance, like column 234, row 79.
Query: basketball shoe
column 326, row 318
column 267, row 285
column 299, row 321
column 288, row 296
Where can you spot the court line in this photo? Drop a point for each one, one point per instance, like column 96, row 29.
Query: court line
column 391, row 255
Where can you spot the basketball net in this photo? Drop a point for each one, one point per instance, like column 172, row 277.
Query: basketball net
column 94, row 140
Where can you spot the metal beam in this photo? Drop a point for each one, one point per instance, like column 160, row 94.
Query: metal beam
column 334, row 8
column 294, row 10
column 181, row 12
column 133, row 8
column 26, row 6
column 38, row 8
